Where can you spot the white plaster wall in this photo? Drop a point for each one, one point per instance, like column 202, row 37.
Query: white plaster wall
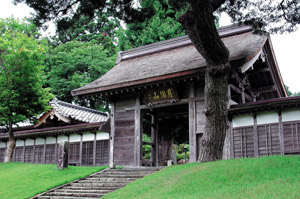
column 74, row 138
column 2, row 144
column 267, row 117
column 88, row 137
column 242, row 120
column 20, row 143
column 29, row 142
column 102, row 136
column 50, row 140
column 62, row 138
column 39, row 141
column 290, row 115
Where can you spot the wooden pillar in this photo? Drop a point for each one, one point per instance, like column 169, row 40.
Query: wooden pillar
column 33, row 158
column 24, row 152
column 94, row 149
column 138, row 131
column 69, row 148
column 14, row 155
column 80, row 150
column 243, row 94
column 192, row 125
column 44, row 153
column 55, row 155
column 154, row 144
column 112, row 135
column 231, row 139
column 255, row 136
column 281, row 136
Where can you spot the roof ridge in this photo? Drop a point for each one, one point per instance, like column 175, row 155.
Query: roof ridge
column 55, row 100
column 177, row 42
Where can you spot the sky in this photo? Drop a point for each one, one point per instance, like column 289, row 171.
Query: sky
column 286, row 46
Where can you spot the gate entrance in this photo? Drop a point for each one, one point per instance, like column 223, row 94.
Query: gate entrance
column 165, row 130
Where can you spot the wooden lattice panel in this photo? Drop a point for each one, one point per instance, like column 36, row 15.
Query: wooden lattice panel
column 28, row 153
column 19, row 154
column 291, row 131
column 268, row 139
column 87, row 153
column 102, row 152
column 74, row 153
column 50, row 153
column 243, row 142
column 2, row 154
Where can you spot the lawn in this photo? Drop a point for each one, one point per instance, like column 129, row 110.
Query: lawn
column 23, row 180
column 267, row 177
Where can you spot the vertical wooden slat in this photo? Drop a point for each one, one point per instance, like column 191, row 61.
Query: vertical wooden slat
column 245, row 140
column 94, row 149
column 270, row 139
column 192, row 125
column 112, row 135
column 14, row 155
column 241, row 131
column 281, row 135
column 255, row 136
column 231, row 139
column 33, row 158
column 293, row 136
column 266, row 134
column 44, row 153
column 55, row 153
column 153, row 140
column 80, row 150
column 297, row 136
column 137, row 132
column 24, row 152
column 156, row 142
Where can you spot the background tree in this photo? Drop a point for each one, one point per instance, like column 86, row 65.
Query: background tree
column 75, row 64
column 199, row 23
column 21, row 93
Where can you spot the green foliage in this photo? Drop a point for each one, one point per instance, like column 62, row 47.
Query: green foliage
column 267, row 178
column 162, row 26
column 23, row 180
column 290, row 93
column 146, row 148
column 75, row 64
column 21, row 72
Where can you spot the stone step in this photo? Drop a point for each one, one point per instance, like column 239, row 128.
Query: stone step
column 127, row 173
column 97, row 195
column 81, row 191
column 98, row 184
column 90, row 188
column 63, row 197
column 93, row 180
column 132, row 170
column 119, row 176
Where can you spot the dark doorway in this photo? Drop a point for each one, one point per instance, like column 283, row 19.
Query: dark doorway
column 164, row 129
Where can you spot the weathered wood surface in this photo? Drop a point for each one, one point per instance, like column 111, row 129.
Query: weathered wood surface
column 63, row 151
column 192, row 125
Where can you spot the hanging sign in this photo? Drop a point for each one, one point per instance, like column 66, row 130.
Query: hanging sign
column 161, row 95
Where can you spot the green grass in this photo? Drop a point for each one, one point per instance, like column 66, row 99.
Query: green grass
column 267, row 177
column 23, row 180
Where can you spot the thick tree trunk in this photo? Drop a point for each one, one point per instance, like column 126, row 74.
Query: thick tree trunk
column 200, row 27
column 11, row 144
column 165, row 142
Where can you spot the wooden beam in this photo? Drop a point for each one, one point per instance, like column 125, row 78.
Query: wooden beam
column 94, row 149
column 137, row 131
column 80, row 150
column 44, row 152
column 112, row 135
column 153, row 140
column 281, row 136
column 259, row 70
column 33, row 153
column 55, row 153
column 265, row 89
column 255, row 136
column 192, row 125
column 24, row 152
column 239, row 91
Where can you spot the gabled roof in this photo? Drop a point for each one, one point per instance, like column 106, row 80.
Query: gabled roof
column 171, row 58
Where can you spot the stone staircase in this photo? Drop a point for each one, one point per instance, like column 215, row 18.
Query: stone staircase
column 97, row 184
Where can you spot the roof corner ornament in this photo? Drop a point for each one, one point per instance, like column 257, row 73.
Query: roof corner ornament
column 119, row 58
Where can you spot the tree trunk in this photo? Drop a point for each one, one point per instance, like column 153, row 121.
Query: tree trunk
column 11, row 144
column 200, row 26
column 165, row 142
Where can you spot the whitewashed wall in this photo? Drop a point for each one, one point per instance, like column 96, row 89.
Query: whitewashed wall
column 74, row 138
column 102, row 136
column 290, row 115
column 20, row 143
column 50, row 140
column 88, row 137
column 29, row 142
column 267, row 117
column 62, row 138
column 242, row 120
column 39, row 141
column 2, row 144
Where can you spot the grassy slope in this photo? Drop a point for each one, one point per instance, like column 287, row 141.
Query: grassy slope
column 268, row 177
column 21, row 180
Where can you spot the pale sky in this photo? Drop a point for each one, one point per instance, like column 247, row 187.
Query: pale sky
column 286, row 46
